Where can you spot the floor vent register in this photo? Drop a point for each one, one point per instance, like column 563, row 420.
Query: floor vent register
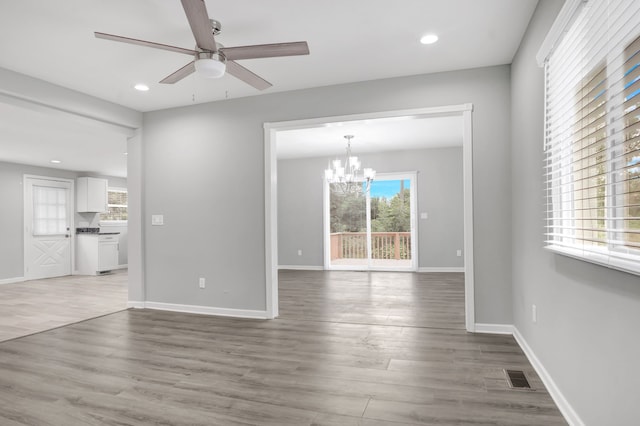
column 517, row 379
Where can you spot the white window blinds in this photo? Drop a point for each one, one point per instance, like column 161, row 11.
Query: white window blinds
column 592, row 136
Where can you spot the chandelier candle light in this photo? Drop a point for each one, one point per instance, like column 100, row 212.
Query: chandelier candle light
column 348, row 176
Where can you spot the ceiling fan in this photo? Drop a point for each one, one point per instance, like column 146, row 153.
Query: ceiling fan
column 211, row 59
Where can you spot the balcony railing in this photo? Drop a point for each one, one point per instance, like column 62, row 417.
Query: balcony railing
column 384, row 245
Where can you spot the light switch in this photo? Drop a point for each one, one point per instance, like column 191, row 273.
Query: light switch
column 157, row 219
column 424, row 216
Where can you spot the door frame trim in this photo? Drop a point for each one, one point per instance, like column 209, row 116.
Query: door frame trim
column 271, row 193
column 72, row 206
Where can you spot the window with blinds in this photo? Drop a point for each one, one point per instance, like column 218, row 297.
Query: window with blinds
column 592, row 136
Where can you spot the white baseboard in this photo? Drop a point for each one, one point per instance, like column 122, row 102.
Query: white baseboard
column 203, row 310
column 441, row 269
column 565, row 408
column 494, row 328
column 424, row 269
column 12, row 280
column 301, row 267
column 563, row 405
column 135, row 304
column 125, row 266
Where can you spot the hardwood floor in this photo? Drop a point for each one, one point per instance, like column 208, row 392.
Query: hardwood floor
column 144, row 367
column 384, row 298
column 33, row 306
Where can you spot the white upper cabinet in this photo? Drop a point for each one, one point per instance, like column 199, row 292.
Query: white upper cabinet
column 91, row 195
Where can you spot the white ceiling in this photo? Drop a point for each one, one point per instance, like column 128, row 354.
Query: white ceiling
column 390, row 134
column 354, row 40
column 81, row 145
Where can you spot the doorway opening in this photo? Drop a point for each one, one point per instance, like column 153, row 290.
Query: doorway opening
column 462, row 112
column 48, row 220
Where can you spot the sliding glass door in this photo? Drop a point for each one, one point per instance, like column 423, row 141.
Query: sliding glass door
column 348, row 227
column 371, row 228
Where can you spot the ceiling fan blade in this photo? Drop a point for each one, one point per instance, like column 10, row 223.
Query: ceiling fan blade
column 144, row 43
column 180, row 74
column 198, row 18
column 241, row 73
column 266, row 50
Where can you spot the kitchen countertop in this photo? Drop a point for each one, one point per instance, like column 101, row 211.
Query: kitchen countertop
column 93, row 231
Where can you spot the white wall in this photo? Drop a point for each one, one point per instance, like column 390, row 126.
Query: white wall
column 586, row 335
column 204, row 170
column 439, row 185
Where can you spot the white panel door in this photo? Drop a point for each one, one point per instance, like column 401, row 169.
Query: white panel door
column 47, row 220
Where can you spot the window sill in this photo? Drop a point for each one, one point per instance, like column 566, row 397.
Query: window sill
column 114, row 223
column 601, row 259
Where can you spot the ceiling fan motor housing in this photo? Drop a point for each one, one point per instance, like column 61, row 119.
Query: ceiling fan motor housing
column 218, row 56
column 216, row 27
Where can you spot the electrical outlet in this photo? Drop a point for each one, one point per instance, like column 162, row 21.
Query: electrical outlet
column 299, row 252
column 534, row 313
column 459, row 253
column 424, row 215
column 201, row 282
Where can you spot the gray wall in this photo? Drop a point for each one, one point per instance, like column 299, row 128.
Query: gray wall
column 586, row 335
column 439, row 194
column 12, row 215
column 300, row 211
column 135, row 248
column 204, row 170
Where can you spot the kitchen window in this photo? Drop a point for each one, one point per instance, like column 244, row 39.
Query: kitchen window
column 592, row 135
column 117, row 201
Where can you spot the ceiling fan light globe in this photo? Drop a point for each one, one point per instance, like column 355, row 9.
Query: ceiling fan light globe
column 210, row 68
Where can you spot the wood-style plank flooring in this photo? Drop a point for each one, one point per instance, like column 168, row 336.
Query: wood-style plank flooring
column 143, row 367
column 33, row 306
column 386, row 298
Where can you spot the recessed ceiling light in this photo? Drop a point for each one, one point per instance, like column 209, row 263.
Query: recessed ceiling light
column 125, row 153
column 429, row 39
column 56, row 161
column 141, row 87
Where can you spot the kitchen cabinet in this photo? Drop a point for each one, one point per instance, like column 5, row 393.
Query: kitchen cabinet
column 91, row 195
column 107, row 252
column 97, row 253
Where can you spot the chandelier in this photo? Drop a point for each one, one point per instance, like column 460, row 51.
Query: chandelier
column 348, row 177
